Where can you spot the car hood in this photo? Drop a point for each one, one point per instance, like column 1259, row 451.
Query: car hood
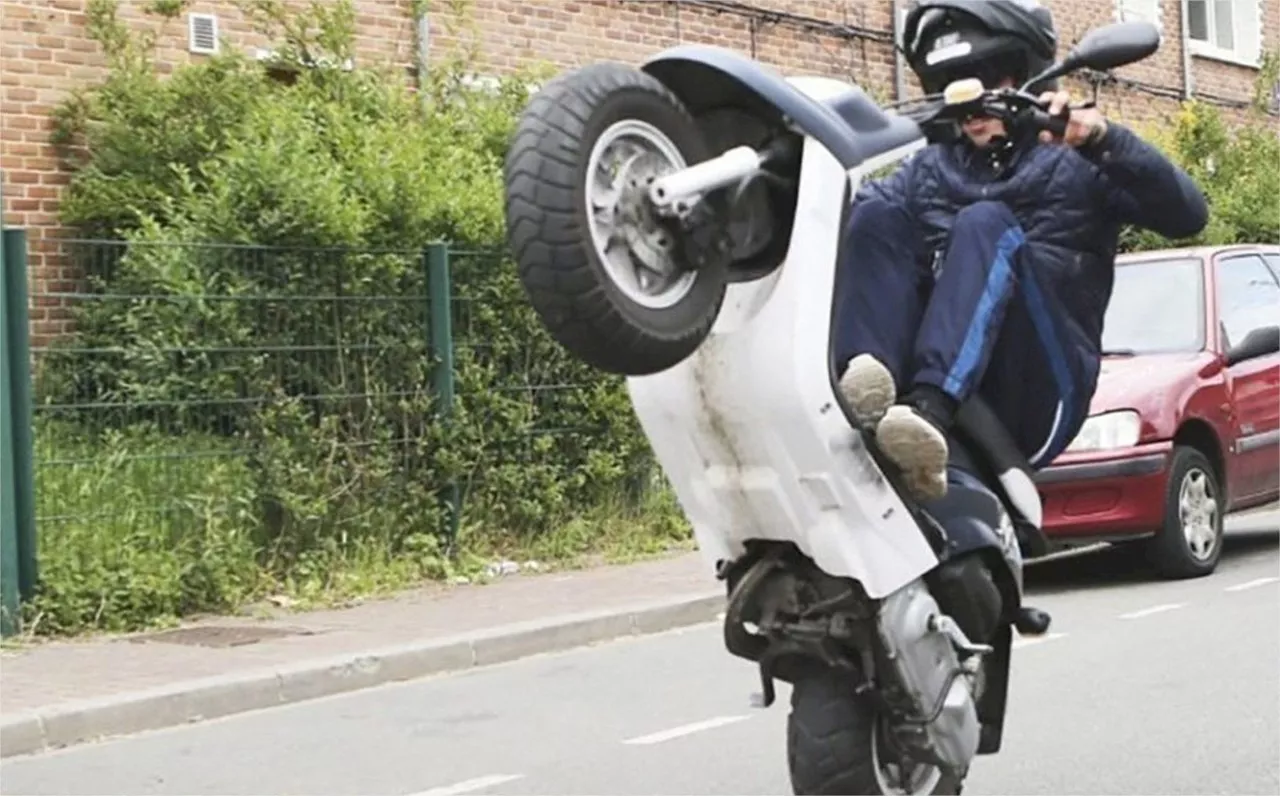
column 1135, row 382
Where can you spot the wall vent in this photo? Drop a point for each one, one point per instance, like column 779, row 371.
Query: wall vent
column 202, row 33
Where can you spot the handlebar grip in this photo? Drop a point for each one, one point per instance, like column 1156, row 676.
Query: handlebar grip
column 1054, row 124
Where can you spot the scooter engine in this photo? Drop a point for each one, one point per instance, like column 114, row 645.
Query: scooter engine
column 920, row 651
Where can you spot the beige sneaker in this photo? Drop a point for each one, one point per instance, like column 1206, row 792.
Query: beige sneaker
column 918, row 448
column 867, row 385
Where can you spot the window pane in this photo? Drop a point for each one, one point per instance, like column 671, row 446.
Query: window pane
column 1198, row 19
column 1224, row 31
column 1156, row 306
column 1248, row 296
column 1273, row 262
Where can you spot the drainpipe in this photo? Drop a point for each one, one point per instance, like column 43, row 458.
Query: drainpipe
column 1188, row 79
column 423, row 28
column 899, row 65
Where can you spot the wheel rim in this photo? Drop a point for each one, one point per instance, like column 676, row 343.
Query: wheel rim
column 921, row 778
column 1198, row 514
column 632, row 248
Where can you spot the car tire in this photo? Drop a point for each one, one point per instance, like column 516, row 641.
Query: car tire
column 1189, row 544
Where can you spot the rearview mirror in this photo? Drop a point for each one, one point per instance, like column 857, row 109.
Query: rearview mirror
column 1260, row 342
column 1107, row 47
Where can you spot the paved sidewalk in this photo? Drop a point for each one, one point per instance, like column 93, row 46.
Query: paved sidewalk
column 59, row 693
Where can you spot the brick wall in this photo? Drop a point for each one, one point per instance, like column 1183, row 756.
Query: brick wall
column 45, row 53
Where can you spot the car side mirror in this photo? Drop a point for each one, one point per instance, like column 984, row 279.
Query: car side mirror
column 1260, row 342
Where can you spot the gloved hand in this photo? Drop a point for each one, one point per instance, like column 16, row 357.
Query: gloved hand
column 1085, row 126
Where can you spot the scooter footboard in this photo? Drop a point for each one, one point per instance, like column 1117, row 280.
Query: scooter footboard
column 742, row 475
column 748, row 429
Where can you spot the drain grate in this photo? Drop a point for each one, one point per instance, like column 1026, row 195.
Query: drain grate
column 219, row 636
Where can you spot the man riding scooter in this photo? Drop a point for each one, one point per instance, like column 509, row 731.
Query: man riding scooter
column 986, row 264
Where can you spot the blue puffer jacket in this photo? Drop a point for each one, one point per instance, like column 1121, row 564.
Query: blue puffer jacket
column 1071, row 204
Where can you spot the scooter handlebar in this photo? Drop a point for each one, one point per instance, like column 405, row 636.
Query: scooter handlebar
column 1057, row 125
column 1010, row 105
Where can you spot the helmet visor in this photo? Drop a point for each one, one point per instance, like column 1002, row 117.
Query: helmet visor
column 994, row 73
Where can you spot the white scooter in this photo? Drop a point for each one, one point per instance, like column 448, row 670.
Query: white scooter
column 708, row 281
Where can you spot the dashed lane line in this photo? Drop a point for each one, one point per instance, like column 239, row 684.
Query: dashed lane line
column 1152, row 611
column 684, row 729
column 471, row 785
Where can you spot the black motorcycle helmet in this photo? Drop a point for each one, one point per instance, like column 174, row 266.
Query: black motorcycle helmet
column 947, row 40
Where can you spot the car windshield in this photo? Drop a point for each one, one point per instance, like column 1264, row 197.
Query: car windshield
column 1157, row 306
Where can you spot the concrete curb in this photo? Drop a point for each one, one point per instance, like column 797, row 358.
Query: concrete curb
column 72, row 723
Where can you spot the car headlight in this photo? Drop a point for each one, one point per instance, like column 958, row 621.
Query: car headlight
column 1108, row 431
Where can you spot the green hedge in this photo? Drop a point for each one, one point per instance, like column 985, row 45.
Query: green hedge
column 296, row 345
column 1237, row 167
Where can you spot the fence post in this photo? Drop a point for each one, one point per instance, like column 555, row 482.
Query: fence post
column 10, row 605
column 440, row 337
column 17, row 512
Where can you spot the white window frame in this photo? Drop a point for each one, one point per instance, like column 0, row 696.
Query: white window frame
column 1246, row 31
column 1149, row 10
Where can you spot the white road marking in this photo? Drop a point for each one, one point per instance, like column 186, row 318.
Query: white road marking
column 471, row 785
column 1155, row 609
column 1031, row 641
column 1251, row 583
column 683, row 730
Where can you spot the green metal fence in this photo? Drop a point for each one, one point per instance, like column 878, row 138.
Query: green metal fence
column 529, row 386
column 17, row 522
column 201, row 393
column 256, row 403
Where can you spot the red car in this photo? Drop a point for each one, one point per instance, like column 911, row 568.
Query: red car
column 1185, row 424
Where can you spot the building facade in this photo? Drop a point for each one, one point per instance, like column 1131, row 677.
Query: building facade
column 1212, row 50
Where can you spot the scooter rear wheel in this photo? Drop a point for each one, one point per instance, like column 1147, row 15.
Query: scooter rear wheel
column 604, row 277
column 835, row 741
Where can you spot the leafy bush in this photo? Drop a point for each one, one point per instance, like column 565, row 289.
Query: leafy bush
column 140, row 525
column 1237, row 167
column 271, row 295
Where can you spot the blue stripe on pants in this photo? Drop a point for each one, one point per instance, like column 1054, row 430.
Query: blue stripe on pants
column 1038, row 308
column 999, row 283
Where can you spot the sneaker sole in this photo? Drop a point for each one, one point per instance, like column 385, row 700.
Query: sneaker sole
column 918, row 449
column 867, row 386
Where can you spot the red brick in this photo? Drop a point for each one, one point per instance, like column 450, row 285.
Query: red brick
column 52, row 69
column 13, row 68
column 39, row 163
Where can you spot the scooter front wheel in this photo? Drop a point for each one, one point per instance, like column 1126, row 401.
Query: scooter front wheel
column 603, row 274
column 836, row 744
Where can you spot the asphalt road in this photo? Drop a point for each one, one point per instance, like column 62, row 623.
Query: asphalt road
column 1143, row 687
